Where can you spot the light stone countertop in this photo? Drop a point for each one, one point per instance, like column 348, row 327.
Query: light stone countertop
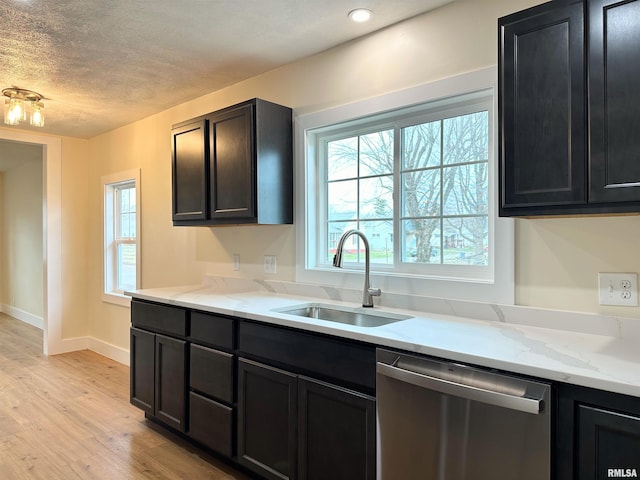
column 581, row 349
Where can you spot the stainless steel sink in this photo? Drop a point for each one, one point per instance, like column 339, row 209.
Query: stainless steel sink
column 356, row 317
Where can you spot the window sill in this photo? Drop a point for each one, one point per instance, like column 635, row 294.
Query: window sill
column 117, row 299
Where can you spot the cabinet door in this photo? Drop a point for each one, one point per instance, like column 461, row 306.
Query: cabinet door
column 211, row 424
column 232, row 169
column 337, row 433
column 267, row 415
column 211, row 372
column 608, row 444
column 142, row 351
column 190, row 171
column 541, row 107
column 614, row 100
column 170, row 381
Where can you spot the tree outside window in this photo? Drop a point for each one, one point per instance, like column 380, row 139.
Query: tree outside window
column 419, row 190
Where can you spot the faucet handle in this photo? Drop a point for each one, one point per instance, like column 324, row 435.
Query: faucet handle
column 374, row 292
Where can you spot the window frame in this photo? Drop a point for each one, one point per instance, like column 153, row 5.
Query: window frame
column 111, row 239
column 473, row 103
column 497, row 286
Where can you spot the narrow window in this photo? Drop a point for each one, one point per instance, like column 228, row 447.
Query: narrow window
column 121, row 236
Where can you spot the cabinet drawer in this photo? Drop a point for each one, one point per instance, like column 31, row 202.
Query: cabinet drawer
column 211, row 424
column 347, row 362
column 160, row 318
column 213, row 330
column 211, row 373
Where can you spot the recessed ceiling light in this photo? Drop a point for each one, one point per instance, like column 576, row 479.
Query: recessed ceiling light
column 360, row 15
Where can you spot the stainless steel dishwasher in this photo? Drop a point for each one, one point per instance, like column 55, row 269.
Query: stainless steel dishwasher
column 446, row 421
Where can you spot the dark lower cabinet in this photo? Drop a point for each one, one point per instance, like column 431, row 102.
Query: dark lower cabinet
column 608, row 444
column 158, row 367
column 282, row 403
column 597, row 435
column 171, row 354
column 211, row 424
column 267, row 414
column 211, row 396
column 143, row 361
column 336, row 429
column 295, row 427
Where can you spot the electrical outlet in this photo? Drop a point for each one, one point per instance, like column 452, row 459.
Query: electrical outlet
column 618, row 289
column 270, row 264
column 236, row 262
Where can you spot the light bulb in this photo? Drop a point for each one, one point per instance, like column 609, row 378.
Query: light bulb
column 17, row 111
column 11, row 115
column 360, row 15
column 37, row 115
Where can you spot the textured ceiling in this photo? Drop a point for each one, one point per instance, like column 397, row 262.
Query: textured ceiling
column 104, row 63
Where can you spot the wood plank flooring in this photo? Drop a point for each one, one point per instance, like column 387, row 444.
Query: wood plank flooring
column 68, row 417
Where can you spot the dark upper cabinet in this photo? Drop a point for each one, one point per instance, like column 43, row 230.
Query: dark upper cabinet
column 567, row 140
column 541, row 107
column 232, row 173
column 234, row 166
column 189, row 171
column 614, row 100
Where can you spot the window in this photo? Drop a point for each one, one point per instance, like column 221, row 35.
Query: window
column 121, row 236
column 418, row 188
column 417, row 179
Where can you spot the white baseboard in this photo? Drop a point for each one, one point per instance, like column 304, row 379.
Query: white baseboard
column 67, row 345
column 108, row 350
column 23, row 316
column 101, row 347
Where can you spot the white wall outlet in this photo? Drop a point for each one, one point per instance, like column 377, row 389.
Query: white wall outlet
column 270, row 264
column 618, row 289
column 236, row 262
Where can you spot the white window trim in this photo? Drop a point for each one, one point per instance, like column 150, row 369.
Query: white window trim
column 107, row 182
column 499, row 289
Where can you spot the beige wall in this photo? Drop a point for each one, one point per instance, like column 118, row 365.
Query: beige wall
column 21, row 231
column 75, row 224
column 2, row 254
column 557, row 259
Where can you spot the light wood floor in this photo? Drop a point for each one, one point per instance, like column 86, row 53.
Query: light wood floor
column 68, row 417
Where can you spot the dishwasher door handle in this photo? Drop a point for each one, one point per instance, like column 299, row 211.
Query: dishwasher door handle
column 522, row 404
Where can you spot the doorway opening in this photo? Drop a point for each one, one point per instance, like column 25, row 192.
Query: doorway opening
column 52, row 233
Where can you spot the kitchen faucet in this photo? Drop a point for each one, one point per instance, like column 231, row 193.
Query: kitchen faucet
column 368, row 293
